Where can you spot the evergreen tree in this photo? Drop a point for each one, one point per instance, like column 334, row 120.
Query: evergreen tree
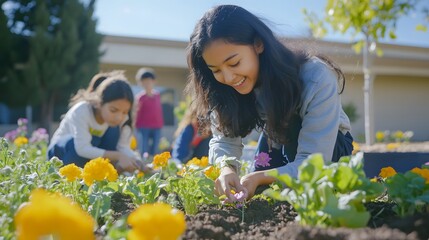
column 5, row 46
column 59, row 53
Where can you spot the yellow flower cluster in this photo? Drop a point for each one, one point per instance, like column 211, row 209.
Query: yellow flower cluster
column 212, row 172
column 422, row 172
column 161, row 160
column 71, row 172
column 193, row 165
column 156, row 221
column 99, row 169
column 19, row 141
column 387, row 172
column 52, row 214
column 392, row 146
column 203, row 162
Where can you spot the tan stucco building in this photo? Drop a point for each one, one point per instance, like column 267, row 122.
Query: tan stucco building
column 401, row 84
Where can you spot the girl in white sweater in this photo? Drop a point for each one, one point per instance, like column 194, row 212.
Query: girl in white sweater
column 98, row 125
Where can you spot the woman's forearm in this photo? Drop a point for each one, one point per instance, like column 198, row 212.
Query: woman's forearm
column 262, row 179
column 113, row 156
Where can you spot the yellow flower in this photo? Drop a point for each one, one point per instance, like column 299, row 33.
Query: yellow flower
column 99, row 169
column 140, row 174
column 193, row 161
column 356, row 147
column 387, row 172
column 204, row 162
column 252, row 143
column 374, row 179
column 161, row 160
column 52, row 214
column 71, row 172
column 19, row 141
column 133, row 143
column 156, row 221
column 182, row 172
column 197, row 162
column 392, row 146
column 422, row 172
column 212, row 172
column 398, row 135
column 379, row 136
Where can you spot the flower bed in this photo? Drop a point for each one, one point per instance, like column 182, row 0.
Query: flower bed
column 335, row 201
column 276, row 220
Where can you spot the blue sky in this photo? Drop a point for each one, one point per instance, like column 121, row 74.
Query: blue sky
column 175, row 19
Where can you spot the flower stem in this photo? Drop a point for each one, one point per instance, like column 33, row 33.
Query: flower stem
column 97, row 209
column 242, row 214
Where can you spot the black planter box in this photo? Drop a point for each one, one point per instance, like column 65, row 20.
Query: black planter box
column 400, row 161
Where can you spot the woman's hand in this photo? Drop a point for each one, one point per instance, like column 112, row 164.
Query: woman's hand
column 228, row 180
column 127, row 164
column 144, row 167
column 252, row 180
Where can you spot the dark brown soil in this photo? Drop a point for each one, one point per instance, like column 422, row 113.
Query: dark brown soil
column 276, row 221
column 265, row 220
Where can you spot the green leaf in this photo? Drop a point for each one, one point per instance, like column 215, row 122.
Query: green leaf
column 310, row 169
column 354, row 219
column 275, row 195
column 345, row 179
column 392, row 34
column 422, row 28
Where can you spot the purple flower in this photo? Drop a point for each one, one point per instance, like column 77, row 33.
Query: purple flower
column 240, row 196
column 22, row 121
column 39, row 135
column 11, row 135
column 262, row 159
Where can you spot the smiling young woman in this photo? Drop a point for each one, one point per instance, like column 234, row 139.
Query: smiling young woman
column 243, row 77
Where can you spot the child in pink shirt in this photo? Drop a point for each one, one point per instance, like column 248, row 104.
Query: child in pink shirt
column 149, row 118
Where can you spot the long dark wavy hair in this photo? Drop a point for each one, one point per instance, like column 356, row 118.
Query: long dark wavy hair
column 278, row 76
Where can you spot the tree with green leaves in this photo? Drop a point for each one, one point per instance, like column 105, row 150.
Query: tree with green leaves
column 55, row 52
column 369, row 21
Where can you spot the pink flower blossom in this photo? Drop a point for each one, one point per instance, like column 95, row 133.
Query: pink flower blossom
column 240, row 196
column 262, row 159
column 11, row 135
column 22, row 121
column 39, row 135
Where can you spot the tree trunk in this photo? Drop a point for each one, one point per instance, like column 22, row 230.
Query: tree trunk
column 368, row 89
column 47, row 112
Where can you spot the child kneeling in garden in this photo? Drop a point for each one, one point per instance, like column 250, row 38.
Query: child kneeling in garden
column 98, row 125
